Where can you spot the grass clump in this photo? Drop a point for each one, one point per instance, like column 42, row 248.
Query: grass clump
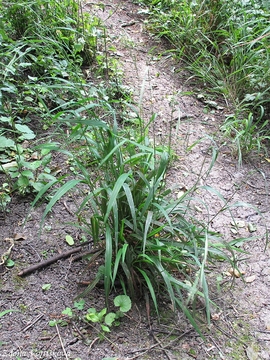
column 149, row 242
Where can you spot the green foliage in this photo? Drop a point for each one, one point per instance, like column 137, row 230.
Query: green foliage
column 227, row 48
column 246, row 134
column 105, row 319
column 43, row 44
column 150, row 242
column 25, row 169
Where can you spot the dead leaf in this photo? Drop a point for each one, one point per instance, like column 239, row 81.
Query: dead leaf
column 236, row 273
column 216, row 316
column 19, row 236
column 180, row 194
column 186, row 346
column 250, row 279
column 240, row 223
column 251, row 227
column 268, row 160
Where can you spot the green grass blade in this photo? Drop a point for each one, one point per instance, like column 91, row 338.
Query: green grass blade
column 108, row 263
column 189, row 316
column 131, row 205
column 112, row 152
column 150, row 288
column 58, row 195
column 129, row 281
column 113, row 196
column 119, row 256
column 43, row 191
column 146, row 228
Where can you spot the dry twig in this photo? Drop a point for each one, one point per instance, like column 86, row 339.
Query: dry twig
column 33, row 323
column 61, row 342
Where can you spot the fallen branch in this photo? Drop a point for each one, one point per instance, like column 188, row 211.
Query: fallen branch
column 53, row 260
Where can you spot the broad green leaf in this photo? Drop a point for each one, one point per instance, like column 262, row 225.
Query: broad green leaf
column 102, row 313
column 26, row 131
column 6, row 143
column 67, row 312
column 28, row 174
column 123, row 302
column 109, row 318
column 52, row 323
column 105, row 328
column 23, row 182
column 93, row 317
column 79, row 304
column 9, row 263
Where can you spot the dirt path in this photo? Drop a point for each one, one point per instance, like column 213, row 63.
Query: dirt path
column 241, row 324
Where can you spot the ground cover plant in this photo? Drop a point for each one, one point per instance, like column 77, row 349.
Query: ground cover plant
column 44, row 45
column 228, row 50
column 150, row 243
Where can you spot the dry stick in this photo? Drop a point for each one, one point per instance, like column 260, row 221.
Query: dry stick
column 53, row 260
column 33, row 323
column 61, row 342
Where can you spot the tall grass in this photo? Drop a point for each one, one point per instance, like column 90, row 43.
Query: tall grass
column 226, row 48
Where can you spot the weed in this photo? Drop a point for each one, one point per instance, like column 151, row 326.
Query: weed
column 105, row 319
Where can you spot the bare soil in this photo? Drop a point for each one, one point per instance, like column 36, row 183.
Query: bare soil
column 240, row 327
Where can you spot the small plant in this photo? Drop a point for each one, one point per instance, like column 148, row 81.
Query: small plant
column 107, row 319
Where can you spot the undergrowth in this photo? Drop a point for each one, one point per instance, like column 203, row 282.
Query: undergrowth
column 227, row 48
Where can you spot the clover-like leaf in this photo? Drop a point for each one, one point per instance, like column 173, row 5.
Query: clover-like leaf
column 67, row 312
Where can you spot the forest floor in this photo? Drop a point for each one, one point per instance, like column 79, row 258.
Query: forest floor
column 240, row 327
